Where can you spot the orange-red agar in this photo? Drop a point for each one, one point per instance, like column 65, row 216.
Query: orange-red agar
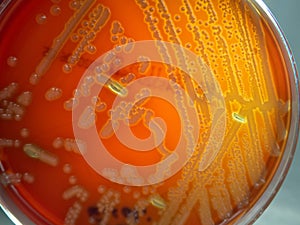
column 38, row 42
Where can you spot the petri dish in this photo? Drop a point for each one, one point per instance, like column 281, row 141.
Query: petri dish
column 143, row 112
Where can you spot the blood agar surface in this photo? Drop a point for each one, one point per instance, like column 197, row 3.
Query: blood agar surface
column 139, row 112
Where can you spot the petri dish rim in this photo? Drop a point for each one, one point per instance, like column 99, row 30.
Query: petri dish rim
column 251, row 215
column 270, row 191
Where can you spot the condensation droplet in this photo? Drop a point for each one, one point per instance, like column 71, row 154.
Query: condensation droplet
column 25, row 98
column 145, row 190
column 12, row 61
column 177, row 17
column 67, row 168
column 188, row 45
column 85, row 23
column 70, row 104
column 95, row 100
column 136, row 194
column 91, row 49
column 151, row 9
column 58, row 142
column 100, row 107
column 75, row 37
column 24, row 132
column 18, row 117
column 75, row 4
column 55, row 10
column 41, row 18
column 123, row 40
column 53, row 93
column 126, row 189
column 178, row 30
column 72, row 179
column 6, row 142
column 101, row 189
column 104, row 67
column 28, row 178
column 73, row 59
column 34, row 79
column 17, row 143
column 114, row 38
column 82, row 32
column 67, row 68
column 118, row 48
column 10, row 178
column 117, row 62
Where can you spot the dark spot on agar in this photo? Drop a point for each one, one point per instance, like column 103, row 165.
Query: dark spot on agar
column 136, row 215
column 94, row 214
column 144, row 211
column 93, row 210
column 126, row 211
column 115, row 213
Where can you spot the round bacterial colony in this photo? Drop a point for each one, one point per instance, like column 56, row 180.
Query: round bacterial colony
column 142, row 112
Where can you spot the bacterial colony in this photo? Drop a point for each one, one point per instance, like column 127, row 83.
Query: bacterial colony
column 44, row 55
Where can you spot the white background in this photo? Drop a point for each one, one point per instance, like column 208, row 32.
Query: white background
column 285, row 208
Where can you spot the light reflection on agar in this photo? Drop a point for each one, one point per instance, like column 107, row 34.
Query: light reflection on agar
column 218, row 177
